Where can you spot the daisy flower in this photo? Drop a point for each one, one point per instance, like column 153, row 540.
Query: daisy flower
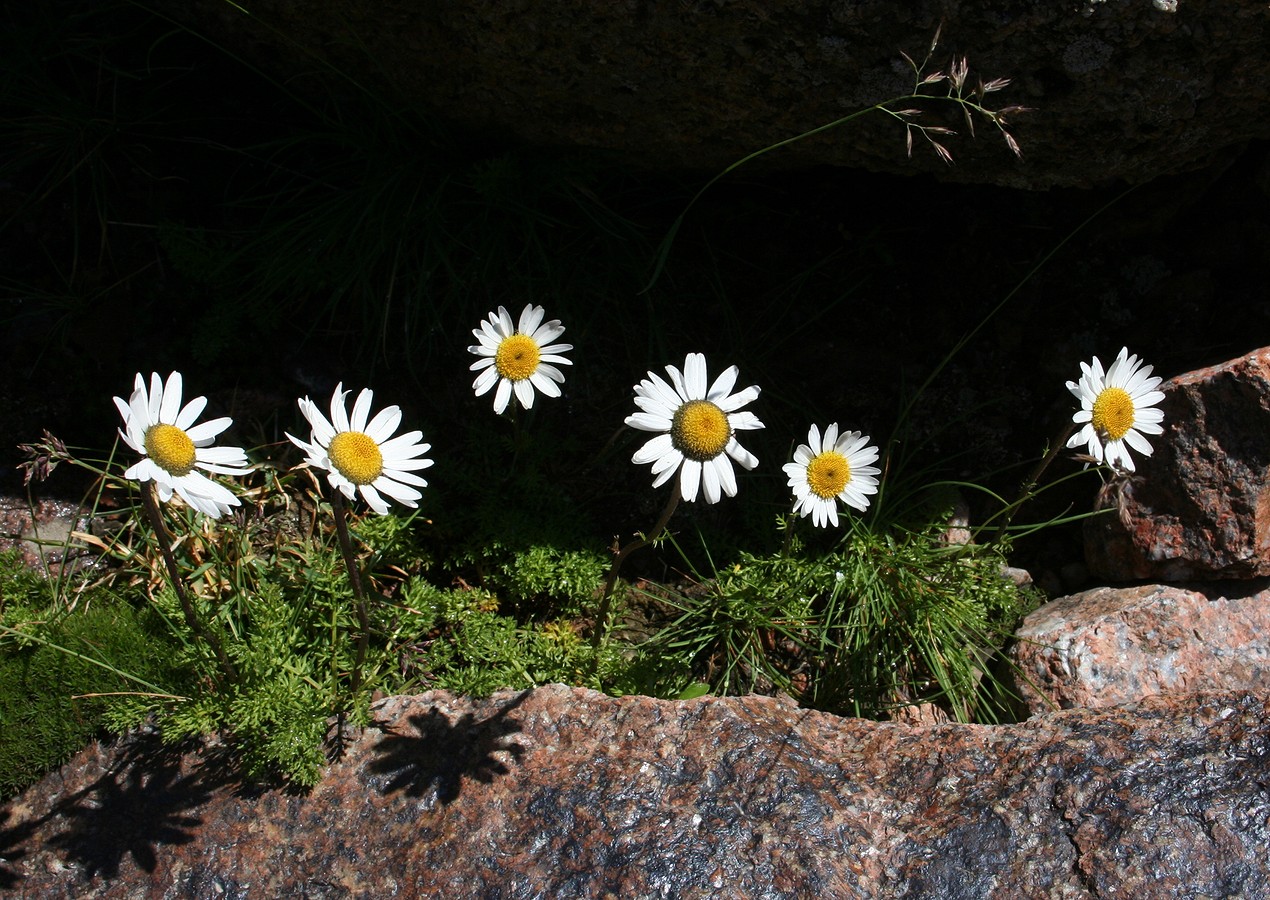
column 826, row 470
column 518, row 358
column 1116, row 409
column 361, row 456
column 158, row 427
column 697, row 428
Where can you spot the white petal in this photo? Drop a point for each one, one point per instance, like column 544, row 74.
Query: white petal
column 667, row 462
column 124, row 410
column 648, row 422
column 485, row 381
column 189, row 415
column 549, row 372
column 402, row 493
column 140, row 419
column 142, row 470
column 653, row 450
column 209, row 429
column 171, row 404
column 727, row 477
column 548, row 333
column 401, row 447
column 371, row 496
column 221, row 456
column 723, row 384
column 1138, row 442
column 695, row 376
column 396, row 474
column 361, row 410
column 710, row 482
column 739, row 399
column 127, row 439
column 502, row 395
column 658, row 388
column 381, row 428
column 744, row 421
column 690, row 478
column 676, row 381
column 546, row 385
column 530, row 317
column 524, row 392
column 339, row 415
column 155, row 399
column 744, row 458
column 664, row 475
column 505, row 326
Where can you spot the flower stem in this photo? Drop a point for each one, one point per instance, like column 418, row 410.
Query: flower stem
column 601, row 619
column 1026, row 491
column 163, row 537
column 354, row 579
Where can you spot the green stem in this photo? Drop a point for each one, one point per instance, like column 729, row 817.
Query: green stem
column 601, row 619
column 354, row 579
column 1034, row 478
column 163, row 537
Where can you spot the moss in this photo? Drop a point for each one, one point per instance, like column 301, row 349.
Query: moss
column 54, row 669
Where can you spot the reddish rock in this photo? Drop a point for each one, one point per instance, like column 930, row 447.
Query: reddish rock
column 1199, row 507
column 42, row 532
column 1109, row 646
column 563, row 792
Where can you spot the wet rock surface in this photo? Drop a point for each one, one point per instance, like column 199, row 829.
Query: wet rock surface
column 1199, row 507
column 562, row 792
column 1108, row 646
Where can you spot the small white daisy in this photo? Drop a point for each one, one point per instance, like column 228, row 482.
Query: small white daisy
column 1116, row 409
column 164, row 433
column 518, row 358
column 698, row 428
column 359, row 455
column 826, row 470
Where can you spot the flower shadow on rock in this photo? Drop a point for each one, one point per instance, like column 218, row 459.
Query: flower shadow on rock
column 142, row 803
column 441, row 754
column 11, row 840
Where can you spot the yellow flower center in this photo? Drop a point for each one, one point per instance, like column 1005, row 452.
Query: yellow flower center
column 356, row 456
column 700, row 430
column 1113, row 413
column 170, row 448
column 517, row 357
column 828, row 474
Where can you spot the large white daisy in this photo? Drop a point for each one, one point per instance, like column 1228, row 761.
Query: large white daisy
column 173, row 447
column 1116, row 409
column 362, row 456
column 832, row 468
column 518, row 359
column 698, row 428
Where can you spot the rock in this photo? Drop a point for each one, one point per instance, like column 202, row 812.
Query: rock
column 1121, row 90
column 1199, row 506
column 1108, row 646
column 42, row 531
column 562, row 792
